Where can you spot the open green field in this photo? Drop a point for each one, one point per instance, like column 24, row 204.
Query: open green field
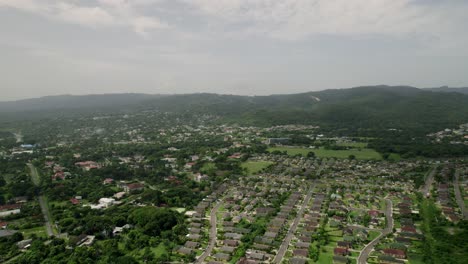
column 38, row 231
column 353, row 144
column 255, row 166
column 364, row 153
column 159, row 250
column 208, row 166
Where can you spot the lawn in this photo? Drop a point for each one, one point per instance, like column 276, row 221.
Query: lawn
column 373, row 235
column 364, row 153
column 38, row 231
column 327, row 256
column 208, row 166
column 394, row 156
column 159, row 250
column 255, row 166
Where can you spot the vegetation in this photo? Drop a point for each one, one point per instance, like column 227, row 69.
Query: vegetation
column 329, row 153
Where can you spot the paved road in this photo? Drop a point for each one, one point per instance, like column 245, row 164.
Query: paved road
column 458, row 196
column 213, row 234
column 426, row 190
column 292, row 229
column 362, row 259
column 42, row 201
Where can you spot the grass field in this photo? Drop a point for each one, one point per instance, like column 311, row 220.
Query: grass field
column 255, row 166
column 353, row 144
column 208, row 166
column 364, row 153
column 38, row 231
column 159, row 250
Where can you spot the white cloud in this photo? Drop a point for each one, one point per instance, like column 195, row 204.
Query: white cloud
column 103, row 13
column 88, row 16
column 298, row 19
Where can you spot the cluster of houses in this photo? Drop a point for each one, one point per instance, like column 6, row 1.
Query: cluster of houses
column 457, row 135
column 198, row 225
column 308, row 225
column 264, row 245
column 395, row 248
column 443, row 195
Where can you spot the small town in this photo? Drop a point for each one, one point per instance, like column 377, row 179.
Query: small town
column 224, row 194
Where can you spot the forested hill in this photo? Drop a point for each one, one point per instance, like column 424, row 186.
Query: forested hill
column 463, row 90
column 360, row 108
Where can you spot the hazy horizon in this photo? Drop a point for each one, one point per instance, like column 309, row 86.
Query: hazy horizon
column 57, row 47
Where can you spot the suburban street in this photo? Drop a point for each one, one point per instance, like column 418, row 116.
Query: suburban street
column 42, row 201
column 287, row 240
column 426, row 190
column 213, row 234
column 458, row 196
column 362, row 259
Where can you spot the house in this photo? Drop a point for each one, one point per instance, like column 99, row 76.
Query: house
column 298, row 261
column 384, row 259
column 231, row 243
column 84, row 240
column 341, row 251
column 133, row 187
column 9, row 209
column 410, row 229
column 119, row 229
column 74, row 201
column 397, row 253
column 21, row 199
column 24, row 244
column 108, row 181
column 264, row 211
column 3, row 225
column 189, row 165
column 235, row 156
column 302, row 245
column 184, row 251
column 191, row 244
column 222, row 256
column 88, row 165
column 373, row 213
column 340, row 259
column 344, row 244
column 301, row 253
column 103, row 203
column 58, row 175
column 256, row 256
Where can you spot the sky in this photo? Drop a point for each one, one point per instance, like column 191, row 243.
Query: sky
column 247, row 47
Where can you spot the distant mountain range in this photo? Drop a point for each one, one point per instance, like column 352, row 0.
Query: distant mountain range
column 367, row 107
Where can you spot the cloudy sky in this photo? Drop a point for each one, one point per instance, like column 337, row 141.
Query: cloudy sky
column 50, row 47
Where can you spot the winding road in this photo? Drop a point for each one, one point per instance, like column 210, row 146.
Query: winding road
column 213, row 234
column 42, row 201
column 292, row 229
column 458, row 196
column 362, row 259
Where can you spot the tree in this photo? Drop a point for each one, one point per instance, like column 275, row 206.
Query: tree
column 311, row 154
column 351, row 157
